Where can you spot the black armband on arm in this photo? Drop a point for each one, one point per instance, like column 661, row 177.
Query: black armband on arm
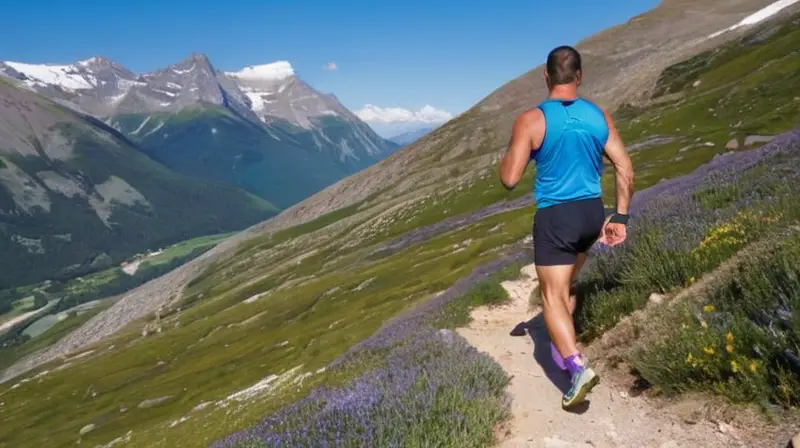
column 619, row 218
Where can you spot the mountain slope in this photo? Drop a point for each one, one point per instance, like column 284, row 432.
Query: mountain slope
column 71, row 189
column 408, row 137
column 284, row 140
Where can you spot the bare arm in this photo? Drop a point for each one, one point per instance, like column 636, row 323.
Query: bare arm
column 623, row 167
column 516, row 158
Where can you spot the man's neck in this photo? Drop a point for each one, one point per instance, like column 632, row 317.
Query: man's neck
column 563, row 92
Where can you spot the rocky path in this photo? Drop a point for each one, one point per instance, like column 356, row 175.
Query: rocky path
column 610, row 418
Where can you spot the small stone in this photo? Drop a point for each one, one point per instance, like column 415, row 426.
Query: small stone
column 123, row 410
column 623, row 394
column 796, row 441
column 670, row 444
column 656, row 299
column 732, row 144
column 153, row 402
column 86, row 429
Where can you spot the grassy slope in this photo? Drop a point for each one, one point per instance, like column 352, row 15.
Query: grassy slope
column 219, row 344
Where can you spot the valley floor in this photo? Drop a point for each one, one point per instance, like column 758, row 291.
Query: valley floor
column 611, row 418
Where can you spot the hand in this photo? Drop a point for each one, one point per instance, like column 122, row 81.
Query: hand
column 613, row 233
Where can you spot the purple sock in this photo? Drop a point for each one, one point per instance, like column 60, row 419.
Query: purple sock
column 557, row 357
column 574, row 364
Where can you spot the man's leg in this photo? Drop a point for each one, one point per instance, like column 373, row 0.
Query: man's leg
column 579, row 262
column 554, row 283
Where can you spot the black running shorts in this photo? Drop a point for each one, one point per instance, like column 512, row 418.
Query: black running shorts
column 562, row 231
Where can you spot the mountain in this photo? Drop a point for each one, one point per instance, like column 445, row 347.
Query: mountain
column 261, row 128
column 409, row 137
column 73, row 189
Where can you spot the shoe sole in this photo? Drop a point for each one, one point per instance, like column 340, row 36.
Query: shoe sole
column 583, row 391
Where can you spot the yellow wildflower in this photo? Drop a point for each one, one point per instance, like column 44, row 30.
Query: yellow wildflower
column 729, row 348
column 708, row 308
column 689, row 359
column 709, row 350
column 703, row 324
column 691, row 281
column 753, row 366
column 734, row 366
column 729, row 337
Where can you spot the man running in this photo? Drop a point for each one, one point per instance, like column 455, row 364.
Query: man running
column 567, row 136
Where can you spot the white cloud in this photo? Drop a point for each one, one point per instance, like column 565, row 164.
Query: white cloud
column 392, row 115
column 331, row 66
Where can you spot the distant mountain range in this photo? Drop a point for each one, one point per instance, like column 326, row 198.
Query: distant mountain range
column 98, row 161
column 409, row 137
column 261, row 128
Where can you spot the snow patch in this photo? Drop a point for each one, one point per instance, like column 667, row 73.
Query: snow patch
column 66, row 76
column 160, row 125
column 758, row 16
column 170, row 94
column 172, row 85
column 183, row 72
column 141, row 126
column 266, row 72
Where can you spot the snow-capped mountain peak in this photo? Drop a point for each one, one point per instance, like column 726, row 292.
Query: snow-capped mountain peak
column 68, row 77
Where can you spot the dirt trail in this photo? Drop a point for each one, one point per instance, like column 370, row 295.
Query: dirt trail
column 610, row 418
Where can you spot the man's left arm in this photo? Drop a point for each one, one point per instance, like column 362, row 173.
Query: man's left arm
column 518, row 154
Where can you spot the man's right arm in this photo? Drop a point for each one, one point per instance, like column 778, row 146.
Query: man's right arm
column 615, row 231
column 623, row 167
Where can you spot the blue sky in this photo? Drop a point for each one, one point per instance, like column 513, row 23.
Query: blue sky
column 446, row 54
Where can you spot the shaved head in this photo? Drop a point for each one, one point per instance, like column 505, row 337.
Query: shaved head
column 563, row 65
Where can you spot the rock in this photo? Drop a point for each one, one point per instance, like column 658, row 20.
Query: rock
column 697, row 83
column 795, row 443
column 202, row 406
column 732, row 144
column 86, row 429
column 153, row 402
column 670, row 444
column 623, row 394
column 753, row 139
column 724, row 427
column 656, row 298
column 447, row 336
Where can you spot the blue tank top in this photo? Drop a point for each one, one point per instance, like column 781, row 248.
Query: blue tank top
column 569, row 162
